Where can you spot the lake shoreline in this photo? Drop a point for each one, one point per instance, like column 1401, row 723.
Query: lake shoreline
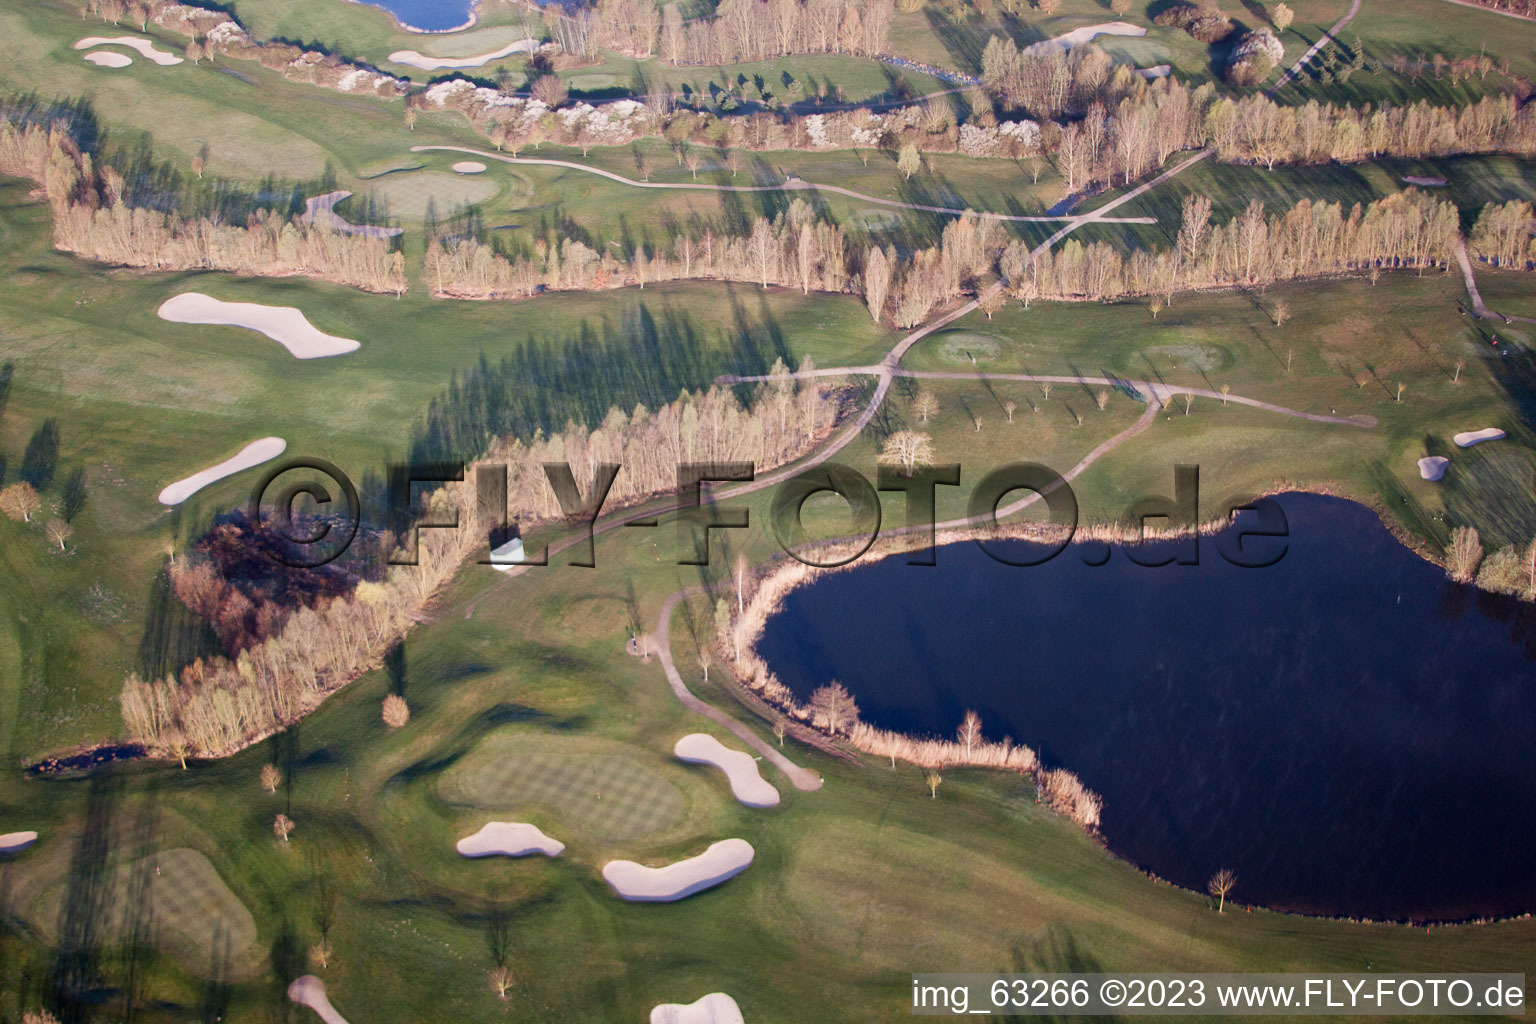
column 753, row 678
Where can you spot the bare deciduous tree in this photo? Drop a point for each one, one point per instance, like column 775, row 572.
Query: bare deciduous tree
column 779, row 732
column 908, row 449
column 1464, row 554
column 58, row 532
column 909, row 161
column 1009, row 408
column 282, row 825
column 502, row 980
column 933, row 779
column 990, row 301
column 833, row 707
column 271, row 778
column 396, row 711
column 320, row 953
column 1101, row 399
column 1280, row 312
column 969, row 731
column 925, row 404
column 1220, row 885
column 549, row 90
column 19, row 502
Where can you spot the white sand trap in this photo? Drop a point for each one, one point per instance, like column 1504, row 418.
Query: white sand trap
column 740, row 768
column 1414, row 179
column 322, row 210
column 1468, row 438
column 1432, row 467
column 509, row 839
column 283, row 324
column 418, row 60
column 105, row 59
column 13, row 842
column 1079, row 36
column 1156, row 71
column 722, row 861
column 310, row 991
column 253, row 454
column 508, row 555
column 715, row 1008
column 469, row 167
column 147, row 49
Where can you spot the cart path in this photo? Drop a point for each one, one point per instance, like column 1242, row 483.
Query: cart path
column 788, row 186
column 1294, row 70
column 1479, row 310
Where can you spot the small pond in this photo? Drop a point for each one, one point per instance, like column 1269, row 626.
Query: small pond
column 1346, row 729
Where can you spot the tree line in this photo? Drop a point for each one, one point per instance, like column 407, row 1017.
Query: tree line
column 796, row 249
column 1406, row 230
column 284, row 665
column 738, row 31
column 94, row 216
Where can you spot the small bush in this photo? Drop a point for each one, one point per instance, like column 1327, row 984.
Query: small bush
column 396, row 711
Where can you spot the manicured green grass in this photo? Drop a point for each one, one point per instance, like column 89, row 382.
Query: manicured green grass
column 854, row 886
column 1470, row 183
column 605, row 794
column 142, row 403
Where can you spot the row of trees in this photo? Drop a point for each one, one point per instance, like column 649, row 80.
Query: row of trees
column 738, row 31
column 796, row 249
column 786, row 419
column 1408, row 229
column 93, row 217
column 1503, row 233
column 217, row 706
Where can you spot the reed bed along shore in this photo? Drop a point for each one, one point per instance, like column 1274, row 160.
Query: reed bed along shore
column 767, row 589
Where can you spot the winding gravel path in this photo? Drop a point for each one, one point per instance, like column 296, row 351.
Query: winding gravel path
column 788, row 186
column 1479, row 309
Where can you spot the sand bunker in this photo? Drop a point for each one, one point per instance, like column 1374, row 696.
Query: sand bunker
column 322, row 210
column 507, row 555
column 1432, row 467
column 283, row 324
column 1156, row 71
column 740, row 768
column 509, row 839
column 310, row 991
column 1079, row 36
column 1468, row 438
column 253, row 454
column 715, row 1008
column 425, row 63
column 13, row 842
column 469, row 167
column 102, row 58
column 1413, row 179
column 722, row 861
column 147, row 49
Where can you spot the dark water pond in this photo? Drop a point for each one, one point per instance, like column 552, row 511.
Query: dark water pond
column 429, row 15
column 1346, row 729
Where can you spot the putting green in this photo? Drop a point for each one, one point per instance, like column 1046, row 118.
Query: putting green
column 192, row 914
column 969, row 346
column 591, row 790
column 409, row 193
column 1190, row 356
